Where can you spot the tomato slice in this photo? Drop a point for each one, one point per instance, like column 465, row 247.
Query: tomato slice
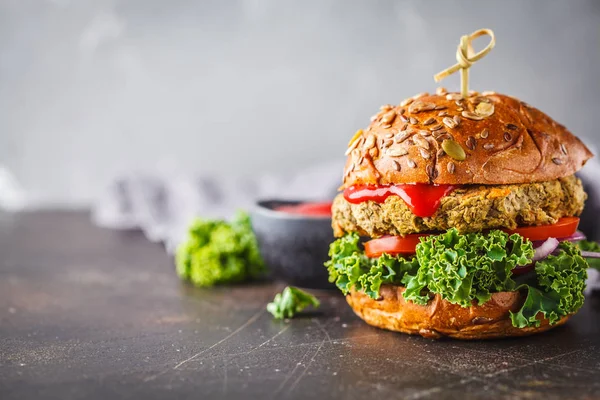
column 565, row 227
column 393, row 245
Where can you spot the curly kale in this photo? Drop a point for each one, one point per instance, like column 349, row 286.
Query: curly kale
column 585, row 245
column 218, row 252
column 349, row 268
column 561, row 281
column 463, row 268
column 467, row 269
column 291, row 301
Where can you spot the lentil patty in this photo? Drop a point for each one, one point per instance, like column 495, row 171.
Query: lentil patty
column 470, row 208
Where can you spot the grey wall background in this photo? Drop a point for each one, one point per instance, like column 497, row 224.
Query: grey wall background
column 90, row 89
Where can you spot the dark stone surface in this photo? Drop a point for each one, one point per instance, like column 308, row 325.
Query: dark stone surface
column 87, row 313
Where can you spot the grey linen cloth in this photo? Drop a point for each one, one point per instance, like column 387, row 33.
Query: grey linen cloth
column 162, row 205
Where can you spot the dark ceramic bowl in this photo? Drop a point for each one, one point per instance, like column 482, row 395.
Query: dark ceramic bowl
column 293, row 246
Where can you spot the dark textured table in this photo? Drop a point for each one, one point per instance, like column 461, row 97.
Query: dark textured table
column 88, row 313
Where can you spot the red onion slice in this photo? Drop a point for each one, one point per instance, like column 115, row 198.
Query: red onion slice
column 590, row 254
column 545, row 249
column 576, row 237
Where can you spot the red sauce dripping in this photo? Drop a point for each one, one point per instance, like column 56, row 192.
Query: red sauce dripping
column 316, row 209
column 423, row 199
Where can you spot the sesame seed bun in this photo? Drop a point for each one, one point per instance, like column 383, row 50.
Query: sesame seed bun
column 440, row 318
column 487, row 138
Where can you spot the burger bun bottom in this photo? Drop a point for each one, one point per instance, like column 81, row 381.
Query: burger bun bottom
column 440, row 318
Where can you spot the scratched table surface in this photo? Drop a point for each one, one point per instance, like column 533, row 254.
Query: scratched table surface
column 89, row 313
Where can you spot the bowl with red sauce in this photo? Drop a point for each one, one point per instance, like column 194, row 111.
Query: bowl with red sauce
column 294, row 238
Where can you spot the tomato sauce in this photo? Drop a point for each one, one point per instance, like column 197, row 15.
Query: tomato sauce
column 314, row 209
column 423, row 199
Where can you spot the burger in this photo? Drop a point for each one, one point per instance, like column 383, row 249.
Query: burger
column 458, row 217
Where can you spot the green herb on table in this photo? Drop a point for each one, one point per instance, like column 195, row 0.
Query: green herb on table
column 219, row 252
column 291, row 301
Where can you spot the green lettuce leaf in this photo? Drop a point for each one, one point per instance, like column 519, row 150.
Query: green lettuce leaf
column 349, row 268
column 466, row 267
column 218, row 252
column 291, row 301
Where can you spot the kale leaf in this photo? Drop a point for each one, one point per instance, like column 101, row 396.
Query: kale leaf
column 291, row 301
column 467, row 269
column 218, row 252
column 586, row 245
column 349, row 268
column 561, row 281
column 462, row 268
